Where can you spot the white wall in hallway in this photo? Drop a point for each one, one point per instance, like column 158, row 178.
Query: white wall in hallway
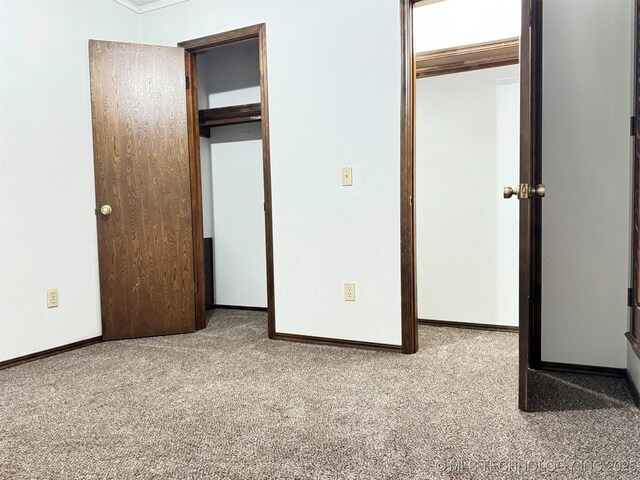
column 467, row 149
column 586, row 154
column 47, row 197
column 324, row 117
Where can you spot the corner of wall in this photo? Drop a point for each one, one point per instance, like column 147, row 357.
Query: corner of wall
column 139, row 20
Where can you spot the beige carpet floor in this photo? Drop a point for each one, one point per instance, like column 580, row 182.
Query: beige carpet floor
column 226, row 402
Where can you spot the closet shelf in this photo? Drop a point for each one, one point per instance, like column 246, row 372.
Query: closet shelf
column 213, row 117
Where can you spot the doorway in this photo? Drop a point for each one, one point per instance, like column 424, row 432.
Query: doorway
column 529, row 177
column 228, row 119
column 147, row 128
column 467, row 131
column 584, row 265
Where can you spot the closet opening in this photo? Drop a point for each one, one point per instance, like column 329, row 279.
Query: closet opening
column 467, row 134
column 230, row 173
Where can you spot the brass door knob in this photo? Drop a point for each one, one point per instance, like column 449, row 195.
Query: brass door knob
column 539, row 190
column 106, row 210
column 509, row 192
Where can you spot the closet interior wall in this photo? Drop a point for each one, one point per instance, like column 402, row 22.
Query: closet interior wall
column 232, row 178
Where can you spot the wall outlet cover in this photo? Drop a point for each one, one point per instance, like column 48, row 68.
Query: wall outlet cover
column 52, row 297
column 350, row 291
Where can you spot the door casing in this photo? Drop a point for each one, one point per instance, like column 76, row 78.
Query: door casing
column 409, row 309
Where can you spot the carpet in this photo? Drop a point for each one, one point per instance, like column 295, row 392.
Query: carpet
column 226, row 402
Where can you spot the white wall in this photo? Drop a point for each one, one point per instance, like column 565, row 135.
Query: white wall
column 229, row 76
column 462, row 22
column 323, row 117
column 585, row 132
column 47, row 201
column 467, row 149
column 238, row 216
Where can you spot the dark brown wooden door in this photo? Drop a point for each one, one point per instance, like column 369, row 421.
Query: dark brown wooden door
column 530, row 292
column 634, row 329
column 141, row 156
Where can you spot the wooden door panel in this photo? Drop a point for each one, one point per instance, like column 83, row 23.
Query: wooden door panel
column 138, row 100
column 530, row 209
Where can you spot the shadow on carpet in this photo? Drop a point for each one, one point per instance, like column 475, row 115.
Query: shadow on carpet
column 559, row 391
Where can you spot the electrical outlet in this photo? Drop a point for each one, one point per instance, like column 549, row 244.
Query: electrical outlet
column 52, row 297
column 347, row 178
column 350, row 292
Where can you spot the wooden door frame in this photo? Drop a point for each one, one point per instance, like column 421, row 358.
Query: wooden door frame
column 465, row 58
column 193, row 48
column 409, row 316
column 530, row 210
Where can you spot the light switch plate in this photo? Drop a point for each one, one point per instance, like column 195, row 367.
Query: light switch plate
column 347, row 178
column 350, row 292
